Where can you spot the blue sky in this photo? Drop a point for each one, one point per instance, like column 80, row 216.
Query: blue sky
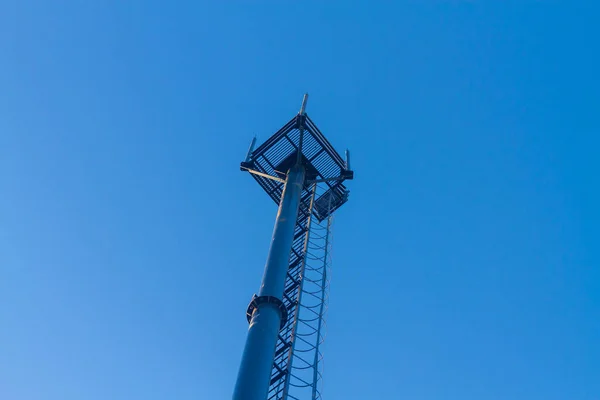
column 466, row 263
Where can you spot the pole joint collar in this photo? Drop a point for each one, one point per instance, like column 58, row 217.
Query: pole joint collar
column 258, row 300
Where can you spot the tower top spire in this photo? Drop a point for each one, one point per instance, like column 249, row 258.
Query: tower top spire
column 304, row 101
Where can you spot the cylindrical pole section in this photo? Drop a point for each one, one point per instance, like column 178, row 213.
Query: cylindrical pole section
column 257, row 360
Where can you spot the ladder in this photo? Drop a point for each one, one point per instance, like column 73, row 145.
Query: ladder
column 297, row 363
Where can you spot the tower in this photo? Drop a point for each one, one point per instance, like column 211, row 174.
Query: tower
column 302, row 172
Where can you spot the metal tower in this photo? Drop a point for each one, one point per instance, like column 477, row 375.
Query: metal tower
column 304, row 175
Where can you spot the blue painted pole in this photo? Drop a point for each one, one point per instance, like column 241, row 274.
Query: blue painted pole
column 257, row 360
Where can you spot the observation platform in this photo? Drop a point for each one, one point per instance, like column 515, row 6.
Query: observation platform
column 301, row 141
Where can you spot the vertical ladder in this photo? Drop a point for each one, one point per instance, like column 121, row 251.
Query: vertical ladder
column 297, row 366
column 283, row 349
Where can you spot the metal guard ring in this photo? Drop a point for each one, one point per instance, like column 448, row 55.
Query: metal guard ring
column 258, row 300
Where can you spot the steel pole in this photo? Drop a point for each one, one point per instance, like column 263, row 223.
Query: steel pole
column 257, row 360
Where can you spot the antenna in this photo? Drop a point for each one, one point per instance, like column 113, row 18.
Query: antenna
column 304, row 101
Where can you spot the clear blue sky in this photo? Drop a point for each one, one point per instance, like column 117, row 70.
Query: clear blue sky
column 466, row 264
